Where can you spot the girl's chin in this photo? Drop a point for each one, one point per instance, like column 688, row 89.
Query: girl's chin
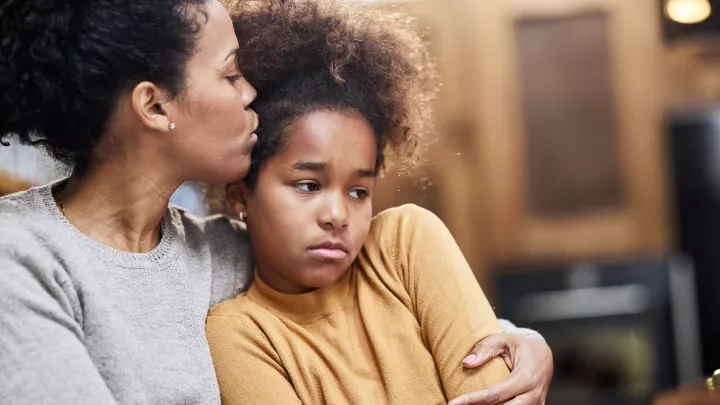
column 324, row 277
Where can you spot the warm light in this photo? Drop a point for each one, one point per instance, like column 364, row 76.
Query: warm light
column 687, row 11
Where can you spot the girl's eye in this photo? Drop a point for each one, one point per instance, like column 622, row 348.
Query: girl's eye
column 234, row 78
column 359, row 194
column 307, row 187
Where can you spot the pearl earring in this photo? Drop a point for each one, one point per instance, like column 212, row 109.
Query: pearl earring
column 242, row 216
column 171, row 126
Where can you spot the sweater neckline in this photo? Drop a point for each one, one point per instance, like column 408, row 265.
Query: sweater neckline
column 168, row 248
column 308, row 307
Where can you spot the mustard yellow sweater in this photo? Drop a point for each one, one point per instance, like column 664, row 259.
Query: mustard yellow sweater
column 393, row 330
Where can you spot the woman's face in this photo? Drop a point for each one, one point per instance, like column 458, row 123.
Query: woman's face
column 214, row 132
column 310, row 212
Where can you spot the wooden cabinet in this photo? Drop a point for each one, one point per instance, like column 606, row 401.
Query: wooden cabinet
column 550, row 129
column 570, row 139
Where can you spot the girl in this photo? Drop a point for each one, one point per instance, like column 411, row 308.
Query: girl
column 344, row 308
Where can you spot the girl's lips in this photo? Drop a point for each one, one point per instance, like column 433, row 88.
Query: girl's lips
column 328, row 253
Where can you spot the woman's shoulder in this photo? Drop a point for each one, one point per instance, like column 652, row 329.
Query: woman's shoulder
column 26, row 205
column 34, row 249
column 228, row 245
column 26, row 215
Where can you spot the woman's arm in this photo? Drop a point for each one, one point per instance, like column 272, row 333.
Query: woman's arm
column 42, row 357
column 248, row 369
column 528, row 356
column 448, row 302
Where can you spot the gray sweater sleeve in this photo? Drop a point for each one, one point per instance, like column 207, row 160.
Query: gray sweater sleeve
column 42, row 356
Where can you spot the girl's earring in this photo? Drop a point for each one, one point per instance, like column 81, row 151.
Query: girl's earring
column 242, row 216
column 171, row 126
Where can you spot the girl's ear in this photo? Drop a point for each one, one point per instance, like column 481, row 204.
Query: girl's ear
column 237, row 194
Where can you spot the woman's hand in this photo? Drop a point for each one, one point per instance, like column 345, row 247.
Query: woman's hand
column 531, row 364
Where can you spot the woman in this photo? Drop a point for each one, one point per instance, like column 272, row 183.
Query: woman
column 104, row 288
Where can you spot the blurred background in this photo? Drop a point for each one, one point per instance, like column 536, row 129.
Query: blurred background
column 577, row 163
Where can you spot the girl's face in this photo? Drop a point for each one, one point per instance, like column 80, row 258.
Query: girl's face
column 310, row 212
column 214, row 133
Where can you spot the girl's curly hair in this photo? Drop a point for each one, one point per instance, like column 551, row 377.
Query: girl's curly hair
column 310, row 55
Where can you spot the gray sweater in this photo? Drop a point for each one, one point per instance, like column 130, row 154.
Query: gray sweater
column 81, row 323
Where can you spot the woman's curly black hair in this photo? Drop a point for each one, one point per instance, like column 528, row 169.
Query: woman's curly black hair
column 63, row 63
column 308, row 55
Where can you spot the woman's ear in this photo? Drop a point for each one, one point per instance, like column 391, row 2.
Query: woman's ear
column 237, row 194
column 149, row 107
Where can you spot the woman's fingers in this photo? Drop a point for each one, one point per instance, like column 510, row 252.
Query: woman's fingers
column 499, row 344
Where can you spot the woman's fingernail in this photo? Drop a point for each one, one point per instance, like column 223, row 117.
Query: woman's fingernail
column 469, row 359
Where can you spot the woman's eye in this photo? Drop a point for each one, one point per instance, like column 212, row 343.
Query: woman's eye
column 234, row 78
column 359, row 194
column 307, row 187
